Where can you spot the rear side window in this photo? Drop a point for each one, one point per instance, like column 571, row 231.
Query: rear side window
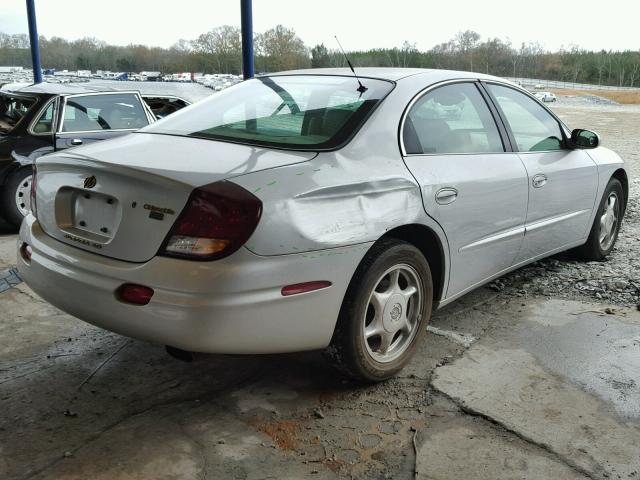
column 45, row 123
column 103, row 112
column 451, row 119
column 302, row 112
column 534, row 129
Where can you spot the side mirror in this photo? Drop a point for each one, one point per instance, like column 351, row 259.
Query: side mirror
column 581, row 138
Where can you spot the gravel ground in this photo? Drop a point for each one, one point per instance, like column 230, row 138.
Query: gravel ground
column 616, row 280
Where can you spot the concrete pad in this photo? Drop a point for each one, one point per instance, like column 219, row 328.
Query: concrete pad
column 461, row 448
column 555, row 390
column 8, row 242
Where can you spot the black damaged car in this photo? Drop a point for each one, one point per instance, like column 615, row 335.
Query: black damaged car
column 42, row 118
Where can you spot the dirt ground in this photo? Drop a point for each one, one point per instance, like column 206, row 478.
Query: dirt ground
column 535, row 376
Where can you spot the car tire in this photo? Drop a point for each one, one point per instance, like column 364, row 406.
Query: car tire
column 606, row 224
column 17, row 186
column 400, row 320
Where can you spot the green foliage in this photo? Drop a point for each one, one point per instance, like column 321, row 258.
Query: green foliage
column 219, row 51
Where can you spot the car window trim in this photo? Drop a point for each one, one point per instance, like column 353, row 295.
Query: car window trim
column 505, row 132
column 38, row 116
column 77, row 132
column 506, row 144
column 563, row 128
column 65, row 98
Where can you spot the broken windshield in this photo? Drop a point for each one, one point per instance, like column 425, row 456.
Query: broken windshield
column 12, row 109
column 302, row 112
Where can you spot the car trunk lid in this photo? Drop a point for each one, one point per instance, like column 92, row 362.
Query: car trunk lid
column 120, row 198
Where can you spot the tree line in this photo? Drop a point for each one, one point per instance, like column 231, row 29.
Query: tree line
column 280, row 48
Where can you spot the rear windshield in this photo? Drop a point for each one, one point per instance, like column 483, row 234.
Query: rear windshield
column 299, row 112
column 12, row 109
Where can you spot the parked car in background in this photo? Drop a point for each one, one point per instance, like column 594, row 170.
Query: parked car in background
column 40, row 119
column 546, row 96
column 312, row 210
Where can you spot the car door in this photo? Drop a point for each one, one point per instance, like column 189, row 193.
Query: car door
column 92, row 117
column 472, row 184
column 38, row 137
column 562, row 182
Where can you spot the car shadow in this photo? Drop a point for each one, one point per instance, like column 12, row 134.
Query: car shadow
column 6, row 229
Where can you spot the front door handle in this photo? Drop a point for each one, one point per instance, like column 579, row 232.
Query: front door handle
column 76, row 141
column 445, row 196
column 539, row 180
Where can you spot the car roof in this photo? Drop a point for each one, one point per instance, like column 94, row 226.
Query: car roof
column 392, row 73
column 52, row 88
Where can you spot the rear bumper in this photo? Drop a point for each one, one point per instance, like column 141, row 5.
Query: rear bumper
column 232, row 305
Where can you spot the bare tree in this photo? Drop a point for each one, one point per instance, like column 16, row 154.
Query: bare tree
column 467, row 42
column 282, row 49
column 224, row 44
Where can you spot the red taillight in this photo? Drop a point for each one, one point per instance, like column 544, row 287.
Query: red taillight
column 304, row 287
column 34, row 184
column 135, row 294
column 217, row 220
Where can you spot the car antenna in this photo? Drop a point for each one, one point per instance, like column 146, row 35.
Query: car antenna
column 361, row 87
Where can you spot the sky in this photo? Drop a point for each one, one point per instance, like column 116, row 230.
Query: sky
column 360, row 24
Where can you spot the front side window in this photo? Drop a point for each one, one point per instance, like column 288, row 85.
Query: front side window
column 533, row 127
column 303, row 112
column 122, row 111
column 45, row 122
column 451, row 119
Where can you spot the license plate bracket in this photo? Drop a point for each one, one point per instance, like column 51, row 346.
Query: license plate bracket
column 91, row 215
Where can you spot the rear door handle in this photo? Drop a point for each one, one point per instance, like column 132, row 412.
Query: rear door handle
column 539, row 180
column 76, row 141
column 447, row 195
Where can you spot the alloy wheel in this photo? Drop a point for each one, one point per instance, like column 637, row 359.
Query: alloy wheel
column 393, row 313
column 609, row 221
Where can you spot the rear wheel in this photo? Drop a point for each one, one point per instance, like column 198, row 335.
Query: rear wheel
column 606, row 225
column 384, row 313
column 15, row 200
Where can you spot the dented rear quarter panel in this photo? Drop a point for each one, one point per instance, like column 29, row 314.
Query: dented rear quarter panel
column 345, row 197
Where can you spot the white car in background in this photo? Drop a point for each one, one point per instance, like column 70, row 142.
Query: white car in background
column 314, row 210
column 546, row 96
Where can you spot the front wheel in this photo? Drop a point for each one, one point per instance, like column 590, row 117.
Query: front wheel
column 606, row 225
column 15, row 200
column 384, row 313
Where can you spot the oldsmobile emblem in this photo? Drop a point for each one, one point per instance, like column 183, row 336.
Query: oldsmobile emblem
column 396, row 312
column 90, row 182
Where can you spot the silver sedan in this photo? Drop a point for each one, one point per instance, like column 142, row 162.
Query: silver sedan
column 314, row 210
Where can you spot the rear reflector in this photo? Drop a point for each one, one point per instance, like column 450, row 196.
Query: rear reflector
column 298, row 288
column 134, row 294
column 26, row 252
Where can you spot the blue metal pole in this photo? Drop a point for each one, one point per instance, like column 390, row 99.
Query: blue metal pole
column 246, row 15
column 33, row 40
